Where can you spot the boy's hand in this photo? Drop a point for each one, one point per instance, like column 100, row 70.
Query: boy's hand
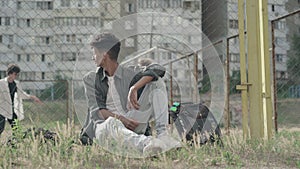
column 129, row 123
column 36, row 99
column 132, row 102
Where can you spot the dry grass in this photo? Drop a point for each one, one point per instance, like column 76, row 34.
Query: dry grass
column 283, row 151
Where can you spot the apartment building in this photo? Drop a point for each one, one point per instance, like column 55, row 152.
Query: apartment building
column 173, row 28
column 7, row 25
column 276, row 9
column 293, row 22
column 26, row 40
column 220, row 20
column 49, row 38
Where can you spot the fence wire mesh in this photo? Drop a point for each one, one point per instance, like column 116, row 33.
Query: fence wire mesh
column 286, row 30
column 49, row 39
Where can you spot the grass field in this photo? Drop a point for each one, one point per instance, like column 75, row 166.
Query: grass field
column 288, row 112
column 283, row 151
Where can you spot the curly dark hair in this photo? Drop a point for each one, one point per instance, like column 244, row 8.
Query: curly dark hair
column 13, row 68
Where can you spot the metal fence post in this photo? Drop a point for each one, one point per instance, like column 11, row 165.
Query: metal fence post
column 243, row 72
column 227, row 90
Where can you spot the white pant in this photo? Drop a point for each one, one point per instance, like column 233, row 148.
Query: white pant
column 153, row 105
column 114, row 136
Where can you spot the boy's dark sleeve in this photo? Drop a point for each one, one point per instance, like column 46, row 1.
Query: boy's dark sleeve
column 95, row 98
column 154, row 70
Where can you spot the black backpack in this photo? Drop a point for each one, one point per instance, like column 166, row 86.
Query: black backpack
column 195, row 120
column 46, row 134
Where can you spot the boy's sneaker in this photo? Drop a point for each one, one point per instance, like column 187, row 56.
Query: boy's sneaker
column 170, row 141
column 154, row 147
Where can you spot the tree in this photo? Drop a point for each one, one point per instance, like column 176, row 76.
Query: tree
column 57, row 91
column 235, row 79
column 293, row 62
column 205, row 84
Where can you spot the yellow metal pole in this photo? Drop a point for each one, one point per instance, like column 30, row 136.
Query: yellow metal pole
column 254, row 68
column 260, row 106
column 243, row 73
column 265, row 63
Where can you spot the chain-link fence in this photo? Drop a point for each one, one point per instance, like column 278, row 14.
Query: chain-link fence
column 49, row 39
column 285, row 17
column 285, row 56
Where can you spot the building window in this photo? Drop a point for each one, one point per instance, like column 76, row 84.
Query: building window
column 19, row 58
column 43, row 75
column 129, row 7
column 6, row 39
column 280, row 58
column 190, row 5
column 28, row 22
column 234, row 57
column 10, row 38
column 105, row 6
column 68, row 56
column 169, row 55
column 18, row 23
column 47, row 40
column 142, row 4
column 68, row 39
column 50, row 5
column 44, row 5
column 2, row 74
column 187, row 5
column 28, row 58
column 273, row 8
column 90, row 3
column 24, row 23
column 65, row 3
column 281, row 75
column 148, row 4
column 7, row 21
column 280, row 41
column 19, row 5
column 45, row 23
column 73, row 56
column 280, row 25
column 79, row 4
column 166, row 4
column 73, row 38
column 176, row 3
column 233, row 24
column 43, row 58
